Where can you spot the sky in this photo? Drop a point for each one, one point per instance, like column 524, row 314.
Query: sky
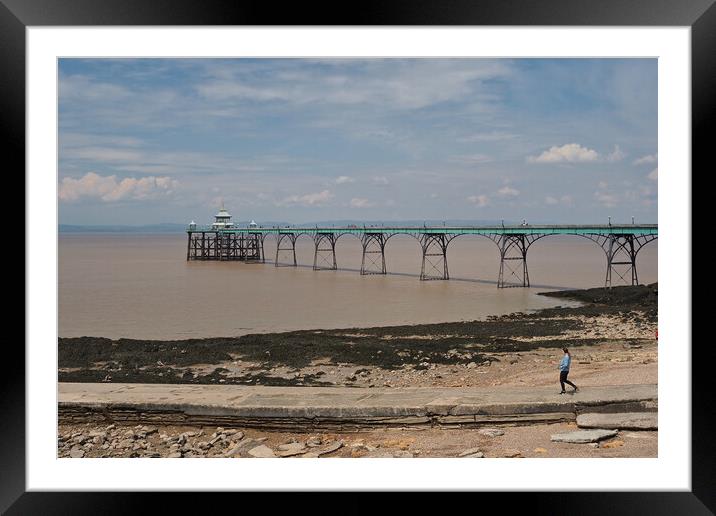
column 147, row 141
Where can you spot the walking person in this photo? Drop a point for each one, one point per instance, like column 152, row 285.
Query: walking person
column 564, row 370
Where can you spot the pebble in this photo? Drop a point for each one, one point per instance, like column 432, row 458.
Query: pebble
column 612, row 444
column 491, row 432
column 380, row 455
column 246, row 443
column 511, row 453
column 313, row 441
column 402, row 455
column 469, row 451
column 635, row 435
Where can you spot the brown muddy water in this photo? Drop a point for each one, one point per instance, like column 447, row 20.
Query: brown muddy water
column 141, row 286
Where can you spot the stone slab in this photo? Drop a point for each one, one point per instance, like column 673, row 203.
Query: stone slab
column 583, row 436
column 623, row 421
column 336, row 407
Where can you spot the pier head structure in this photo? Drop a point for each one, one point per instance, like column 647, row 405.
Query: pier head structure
column 222, row 240
column 225, row 241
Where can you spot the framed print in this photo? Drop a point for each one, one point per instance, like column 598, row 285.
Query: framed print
column 233, row 214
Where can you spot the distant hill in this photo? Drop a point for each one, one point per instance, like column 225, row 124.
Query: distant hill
column 169, row 227
column 149, row 228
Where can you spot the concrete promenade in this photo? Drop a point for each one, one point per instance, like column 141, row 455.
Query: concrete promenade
column 308, row 408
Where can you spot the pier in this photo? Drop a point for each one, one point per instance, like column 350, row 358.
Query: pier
column 224, row 241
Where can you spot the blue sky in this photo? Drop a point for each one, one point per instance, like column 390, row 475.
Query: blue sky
column 145, row 141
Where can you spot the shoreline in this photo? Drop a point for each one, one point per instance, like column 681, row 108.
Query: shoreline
column 620, row 320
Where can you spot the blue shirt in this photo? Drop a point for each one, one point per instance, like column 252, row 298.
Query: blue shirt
column 564, row 364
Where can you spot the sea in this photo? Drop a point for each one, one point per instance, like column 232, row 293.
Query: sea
column 141, row 286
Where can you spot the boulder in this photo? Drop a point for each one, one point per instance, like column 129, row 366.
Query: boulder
column 262, row 451
column 329, row 448
column 77, row 453
column 291, row 449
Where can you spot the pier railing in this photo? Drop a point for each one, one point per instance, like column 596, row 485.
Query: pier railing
column 620, row 243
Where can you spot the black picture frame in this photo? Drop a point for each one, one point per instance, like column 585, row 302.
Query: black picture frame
column 700, row 15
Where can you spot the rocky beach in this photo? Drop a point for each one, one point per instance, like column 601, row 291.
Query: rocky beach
column 611, row 336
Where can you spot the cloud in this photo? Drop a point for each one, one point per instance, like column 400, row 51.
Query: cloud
column 606, row 199
column 480, row 200
column 360, row 203
column 615, row 155
column 654, row 174
column 83, row 88
column 570, row 153
column 392, row 83
column 71, row 140
column 646, row 160
column 311, row 199
column 565, row 200
column 472, row 159
column 127, row 154
column 381, row 180
column 102, row 154
column 222, row 90
column 109, row 189
column 344, row 179
column 507, row 191
column 492, row 136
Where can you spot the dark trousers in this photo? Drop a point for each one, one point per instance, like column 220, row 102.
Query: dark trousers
column 563, row 379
